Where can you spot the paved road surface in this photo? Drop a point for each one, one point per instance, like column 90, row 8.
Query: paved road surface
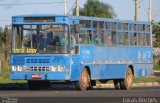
column 71, row 92
column 70, row 95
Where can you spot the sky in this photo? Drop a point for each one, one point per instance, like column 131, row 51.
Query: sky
column 124, row 9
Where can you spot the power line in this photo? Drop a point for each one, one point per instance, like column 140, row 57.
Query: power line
column 4, row 4
column 144, row 7
column 71, row 8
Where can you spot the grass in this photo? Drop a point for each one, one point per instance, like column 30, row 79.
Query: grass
column 157, row 68
column 5, row 81
column 5, row 76
column 146, row 79
column 139, row 80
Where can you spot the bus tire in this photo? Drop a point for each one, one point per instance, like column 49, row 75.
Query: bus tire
column 126, row 83
column 84, row 83
column 116, row 83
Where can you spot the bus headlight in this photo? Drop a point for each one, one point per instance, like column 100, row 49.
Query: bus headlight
column 57, row 68
column 20, row 68
column 60, row 68
column 14, row 68
column 54, row 68
column 17, row 68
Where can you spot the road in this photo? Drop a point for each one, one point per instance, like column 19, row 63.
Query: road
column 71, row 92
column 70, row 95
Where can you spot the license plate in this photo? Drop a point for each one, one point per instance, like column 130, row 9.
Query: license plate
column 36, row 76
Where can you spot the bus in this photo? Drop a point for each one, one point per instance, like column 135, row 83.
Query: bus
column 80, row 50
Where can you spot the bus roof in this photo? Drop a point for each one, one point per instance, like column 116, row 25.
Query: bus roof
column 84, row 18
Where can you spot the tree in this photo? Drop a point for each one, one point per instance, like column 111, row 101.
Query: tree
column 156, row 31
column 96, row 8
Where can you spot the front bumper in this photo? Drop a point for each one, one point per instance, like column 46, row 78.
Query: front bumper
column 44, row 75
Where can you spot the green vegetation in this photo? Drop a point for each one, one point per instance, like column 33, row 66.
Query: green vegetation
column 95, row 8
column 156, row 31
column 5, row 75
column 145, row 79
column 157, row 68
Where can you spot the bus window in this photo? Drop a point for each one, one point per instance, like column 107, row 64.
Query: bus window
column 148, row 39
column 74, row 39
column 125, row 42
column 125, row 26
column 133, row 39
column 97, row 37
column 110, row 25
column 85, row 37
column 131, row 27
column 119, row 26
column 141, row 39
column 113, row 37
column 134, row 27
column 98, row 24
column 141, row 27
column 119, row 38
column 85, row 23
column 148, row 28
column 122, row 38
column 53, row 39
column 108, row 38
column 29, row 36
column 17, row 37
column 122, row 26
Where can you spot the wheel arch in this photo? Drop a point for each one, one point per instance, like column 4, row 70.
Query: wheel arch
column 132, row 68
column 88, row 70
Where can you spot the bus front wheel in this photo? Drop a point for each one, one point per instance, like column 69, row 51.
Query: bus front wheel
column 84, row 83
column 126, row 83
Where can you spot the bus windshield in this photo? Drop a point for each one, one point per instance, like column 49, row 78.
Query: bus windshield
column 40, row 39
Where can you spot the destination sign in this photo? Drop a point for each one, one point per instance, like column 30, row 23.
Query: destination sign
column 26, row 50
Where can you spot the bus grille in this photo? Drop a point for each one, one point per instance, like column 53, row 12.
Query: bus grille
column 38, row 61
column 38, row 68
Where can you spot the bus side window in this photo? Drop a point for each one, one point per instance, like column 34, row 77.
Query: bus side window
column 148, row 39
column 98, row 38
column 133, row 39
column 108, row 38
column 74, row 39
column 113, row 37
column 85, row 37
column 141, row 39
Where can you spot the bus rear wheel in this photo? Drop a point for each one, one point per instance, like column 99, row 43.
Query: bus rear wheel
column 84, row 83
column 126, row 83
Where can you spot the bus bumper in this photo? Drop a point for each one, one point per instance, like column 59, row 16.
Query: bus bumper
column 40, row 76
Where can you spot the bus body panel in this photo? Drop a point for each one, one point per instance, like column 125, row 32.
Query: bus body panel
column 41, row 64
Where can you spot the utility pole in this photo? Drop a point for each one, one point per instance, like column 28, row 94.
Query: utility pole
column 150, row 11
column 150, row 20
column 77, row 7
column 136, row 9
column 65, row 8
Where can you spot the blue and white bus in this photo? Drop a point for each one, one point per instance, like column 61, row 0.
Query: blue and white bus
column 80, row 50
